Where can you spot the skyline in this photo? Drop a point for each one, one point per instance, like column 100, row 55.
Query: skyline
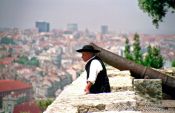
column 121, row 16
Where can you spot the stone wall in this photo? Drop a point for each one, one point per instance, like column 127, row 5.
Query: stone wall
column 124, row 98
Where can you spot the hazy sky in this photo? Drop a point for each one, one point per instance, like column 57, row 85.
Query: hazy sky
column 119, row 15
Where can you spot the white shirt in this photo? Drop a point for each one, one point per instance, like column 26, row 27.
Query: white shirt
column 95, row 68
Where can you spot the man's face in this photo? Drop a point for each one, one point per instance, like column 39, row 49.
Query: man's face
column 86, row 56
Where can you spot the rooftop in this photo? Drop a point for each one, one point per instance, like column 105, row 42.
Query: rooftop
column 27, row 107
column 8, row 85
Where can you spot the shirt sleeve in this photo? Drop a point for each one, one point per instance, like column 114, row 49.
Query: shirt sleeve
column 95, row 68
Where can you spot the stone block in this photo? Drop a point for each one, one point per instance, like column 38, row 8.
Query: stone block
column 112, row 73
column 168, row 71
column 121, row 83
column 168, row 103
column 149, row 89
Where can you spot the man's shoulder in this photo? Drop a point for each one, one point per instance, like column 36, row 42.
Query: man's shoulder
column 95, row 61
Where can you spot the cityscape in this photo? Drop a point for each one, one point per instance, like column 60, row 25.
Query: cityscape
column 39, row 39
column 56, row 62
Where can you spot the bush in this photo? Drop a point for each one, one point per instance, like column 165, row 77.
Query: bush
column 43, row 104
column 24, row 60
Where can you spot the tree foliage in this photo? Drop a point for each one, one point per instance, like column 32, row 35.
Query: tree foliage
column 137, row 55
column 127, row 51
column 173, row 63
column 24, row 60
column 43, row 104
column 152, row 59
column 6, row 40
column 33, row 61
column 157, row 9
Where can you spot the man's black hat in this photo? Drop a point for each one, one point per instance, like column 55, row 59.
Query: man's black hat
column 88, row 48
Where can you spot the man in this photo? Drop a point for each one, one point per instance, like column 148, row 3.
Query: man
column 97, row 79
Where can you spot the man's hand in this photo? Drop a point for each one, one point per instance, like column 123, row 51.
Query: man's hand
column 88, row 86
column 87, row 91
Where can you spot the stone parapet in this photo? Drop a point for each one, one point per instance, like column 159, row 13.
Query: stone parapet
column 124, row 97
column 94, row 103
column 168, row 71
column 72, row 99
column 149, row 89
column 121, row 81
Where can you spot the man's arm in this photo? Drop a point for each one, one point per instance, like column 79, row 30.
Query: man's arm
column 95, row 68
column 87, row 88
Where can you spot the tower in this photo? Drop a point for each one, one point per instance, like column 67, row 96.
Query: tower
column 72, row 27
column 104, row 29
column 42, row 26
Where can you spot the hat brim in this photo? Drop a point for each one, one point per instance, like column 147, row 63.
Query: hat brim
column 87, row 50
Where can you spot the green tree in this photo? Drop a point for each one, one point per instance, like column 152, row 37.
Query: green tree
column 157, row 9
column 23, row 60
column 6, row 40
column 173, row 63
column 148, row 57
column 33, row 61
column 43, row 104
column 137, row 54
column 127, row 51
column 153, row 58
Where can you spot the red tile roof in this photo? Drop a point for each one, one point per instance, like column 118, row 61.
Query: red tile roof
column 29, row 107
column 8, row 85
column 7, row 60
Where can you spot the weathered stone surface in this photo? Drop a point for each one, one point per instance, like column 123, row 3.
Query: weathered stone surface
column 168, row 71
column 150, row 89
column 168, row 103
column 94, row 102
column 112, row 73
column 123, row 98
column 73, row 97
column 166, row 111
column 121, row 82
column 118, row 112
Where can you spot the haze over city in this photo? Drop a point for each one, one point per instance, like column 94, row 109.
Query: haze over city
column 121, row 16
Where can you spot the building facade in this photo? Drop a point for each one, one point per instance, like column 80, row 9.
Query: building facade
column 42, row 26
column 72, row 27
column 104, row 29
column 13, row 92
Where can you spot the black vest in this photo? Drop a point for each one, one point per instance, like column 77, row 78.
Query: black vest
column 102, row 82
